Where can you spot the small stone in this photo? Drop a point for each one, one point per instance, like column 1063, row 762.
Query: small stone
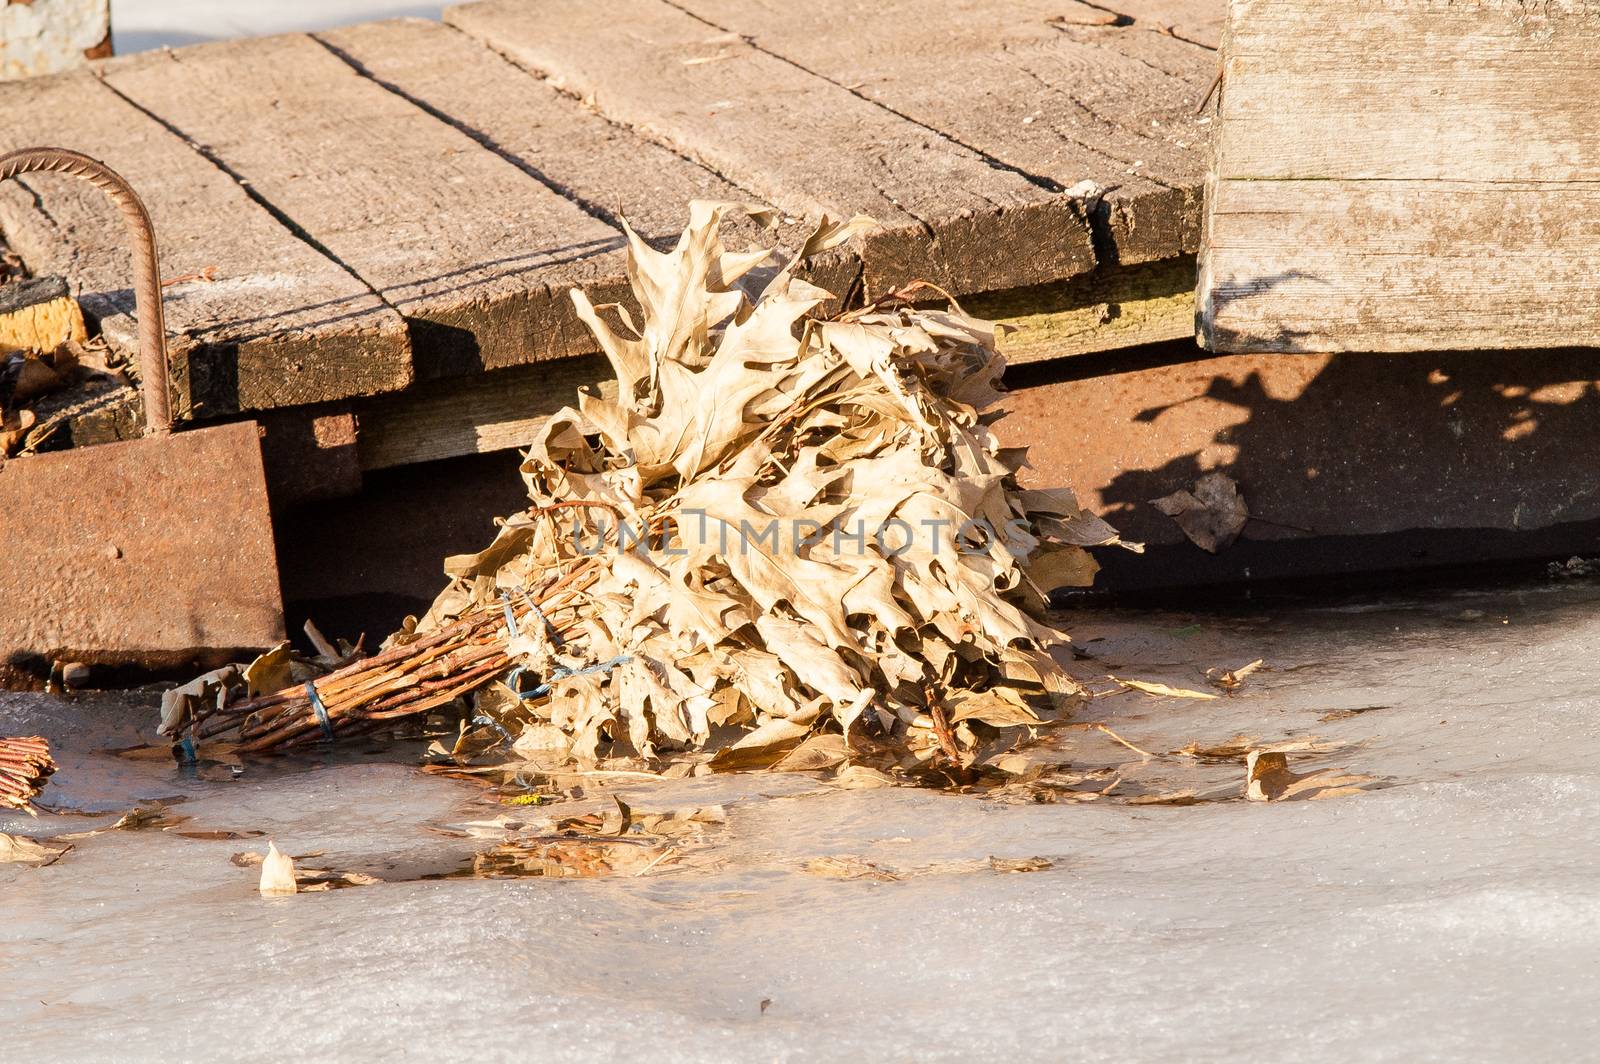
column 75, row 674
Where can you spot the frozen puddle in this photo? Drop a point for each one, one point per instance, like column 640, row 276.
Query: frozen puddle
column 1454, row 912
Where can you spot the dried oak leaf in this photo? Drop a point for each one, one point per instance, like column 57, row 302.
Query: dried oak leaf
column 19, row 849
column 1162, row 690
column 1268, row 778
column 1212, row 515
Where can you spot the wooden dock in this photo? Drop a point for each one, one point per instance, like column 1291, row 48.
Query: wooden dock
column 390, row 215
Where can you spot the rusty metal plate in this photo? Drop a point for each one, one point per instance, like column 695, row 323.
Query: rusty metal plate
column 152, row 552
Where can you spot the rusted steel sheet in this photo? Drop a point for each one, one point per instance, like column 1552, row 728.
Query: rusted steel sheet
column 137, row 553
column 1323, row 445
column 151, row 552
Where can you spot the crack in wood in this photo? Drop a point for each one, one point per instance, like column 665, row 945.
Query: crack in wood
column 1037, row 180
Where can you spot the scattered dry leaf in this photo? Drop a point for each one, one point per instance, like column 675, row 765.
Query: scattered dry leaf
column 1162, row 690
column 19, row 849
column 849, row 866
column 1230, row 680
column 277, row 873
column 1212, row 515
column 1269, row 779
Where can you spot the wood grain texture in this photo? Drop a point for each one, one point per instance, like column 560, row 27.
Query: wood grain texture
column 798, row 140
column 1117, row 307
column 475, row 253
column 1405, row 175
column 281, row 324
column 475, row 415
column 1063, row 93
column 609, row 171
column 1105, row 310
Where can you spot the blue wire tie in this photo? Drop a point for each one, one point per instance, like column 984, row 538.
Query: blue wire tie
column 322, row 710
column 511, row 618
column 514, row 676
column 549, row 628
column 489, row 721
column 562, row 673
column 189, row 754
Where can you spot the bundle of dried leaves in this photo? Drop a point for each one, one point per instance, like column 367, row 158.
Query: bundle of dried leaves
column 780, row 525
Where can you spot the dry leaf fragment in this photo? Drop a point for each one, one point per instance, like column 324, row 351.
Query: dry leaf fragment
column 818, row 752
column 19, row 849
column 270, row 672
column 1021, row 864
column 277, row 873
column 1269, row 779
column 1231, row 680
column 1162, row 690
column 1212, row 515
column 861, row 777
column 849, row 866
column 1232, row 749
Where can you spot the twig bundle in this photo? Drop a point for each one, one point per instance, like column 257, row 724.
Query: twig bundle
column 25, row 766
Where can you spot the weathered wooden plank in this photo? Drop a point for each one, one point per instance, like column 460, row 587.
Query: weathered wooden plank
column 279, row 325
column 473, row 415
column 798, row 140
column 612, row 171
column 1114, row 307
column 553, row 137
column 1405, row 175
column 1067, row 92
column 475, row 253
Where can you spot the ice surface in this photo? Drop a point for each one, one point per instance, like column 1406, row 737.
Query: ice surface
column 1452, row 914
column 140, row 25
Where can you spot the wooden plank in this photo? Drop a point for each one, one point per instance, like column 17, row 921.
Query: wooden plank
column 1381, row 186
column 281, row 324
column 798, row 140
column 477, row 254
column 554, row 137
column 1114, row 307
column 1068, row 92
column 473, row 415
column 611, row 171
column 1111, row 308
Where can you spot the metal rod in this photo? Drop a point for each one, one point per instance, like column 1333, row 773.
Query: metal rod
column 146, row 268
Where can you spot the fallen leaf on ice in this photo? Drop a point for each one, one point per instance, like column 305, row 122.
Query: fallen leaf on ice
column 861, row 777
column 277, row 873
column 818, row 752
column 1230, row 680
column 19, row 849
column 1212, row 515
column 1269, row 779
column 139, row 818
column 303, row 878
column 1162, row 689
column 564, row 859
column 849, row 866
column 1228, row 750
column 1021, row 864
